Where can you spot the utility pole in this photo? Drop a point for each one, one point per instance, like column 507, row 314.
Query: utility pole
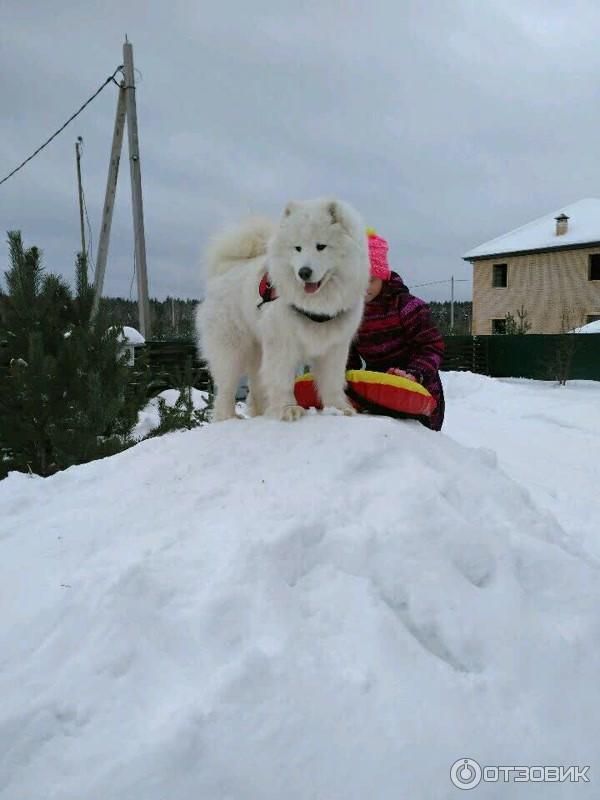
column 452, row 304
column 126, row 112
column 109, row 198
column 78, row 144
column 136, row 190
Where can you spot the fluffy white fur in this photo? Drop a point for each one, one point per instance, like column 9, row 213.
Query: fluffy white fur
column 268, row 343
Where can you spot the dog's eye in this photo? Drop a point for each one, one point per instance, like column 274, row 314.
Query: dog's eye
column 298, row 248
column 321, row 246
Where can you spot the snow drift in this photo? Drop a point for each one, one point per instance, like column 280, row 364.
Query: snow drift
column 591, row 327
column 338, row 608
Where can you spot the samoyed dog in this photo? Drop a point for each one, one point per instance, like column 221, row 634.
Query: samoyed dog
column 281, row 295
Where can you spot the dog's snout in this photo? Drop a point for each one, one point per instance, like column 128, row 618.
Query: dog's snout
column 305, row 273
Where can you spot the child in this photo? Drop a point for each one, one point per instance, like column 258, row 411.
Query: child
column 397, row 333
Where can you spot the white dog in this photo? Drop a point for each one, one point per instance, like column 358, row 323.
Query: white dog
column 279, row 296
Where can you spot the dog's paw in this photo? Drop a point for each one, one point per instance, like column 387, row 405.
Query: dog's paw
column 341, row 405
column 346, row 409
column 290, row 413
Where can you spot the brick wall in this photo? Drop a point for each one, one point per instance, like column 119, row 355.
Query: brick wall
column 549, row 285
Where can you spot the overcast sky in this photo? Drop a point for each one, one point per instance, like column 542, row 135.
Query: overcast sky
column 445, row 123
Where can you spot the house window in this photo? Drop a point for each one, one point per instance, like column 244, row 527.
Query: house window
column 498, row 326
column 499, row 275
column 594, row 268
column 592, row 318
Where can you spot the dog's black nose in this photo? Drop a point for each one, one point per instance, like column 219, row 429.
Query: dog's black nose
column 305, row 273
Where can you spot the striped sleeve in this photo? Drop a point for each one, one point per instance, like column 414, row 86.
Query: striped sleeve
column 427, row 345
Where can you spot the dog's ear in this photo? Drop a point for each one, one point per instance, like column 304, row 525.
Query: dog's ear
column 289, row 208
column 339, row 215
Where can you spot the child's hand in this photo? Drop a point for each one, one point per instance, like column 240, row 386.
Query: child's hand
column 401, row 373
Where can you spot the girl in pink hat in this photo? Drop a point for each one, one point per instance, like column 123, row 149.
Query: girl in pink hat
column 397, row 333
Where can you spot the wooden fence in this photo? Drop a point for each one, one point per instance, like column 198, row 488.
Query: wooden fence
column 166, row 361
column 544, row 357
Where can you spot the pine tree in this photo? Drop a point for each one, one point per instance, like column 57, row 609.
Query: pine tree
column 523, row 325
column 518, row 326
column 64, row 399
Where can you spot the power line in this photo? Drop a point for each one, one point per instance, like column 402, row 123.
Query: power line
column 90, row 246
column 133, row 274
column 110, row 79
column 436, row 283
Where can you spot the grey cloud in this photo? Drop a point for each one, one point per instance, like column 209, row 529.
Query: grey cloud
column 444, row 123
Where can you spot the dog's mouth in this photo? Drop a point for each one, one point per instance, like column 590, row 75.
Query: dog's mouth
column 311, row 288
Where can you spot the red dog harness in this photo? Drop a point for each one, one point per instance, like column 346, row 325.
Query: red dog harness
column 266, row 290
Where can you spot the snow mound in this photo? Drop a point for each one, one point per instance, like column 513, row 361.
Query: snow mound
column 591, row 327
column 337, row 608
column 545, row 436
column 132, row 336
column 149, row 416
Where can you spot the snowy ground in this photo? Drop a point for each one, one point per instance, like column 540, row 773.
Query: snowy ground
column 546, row 437
column 336, row 609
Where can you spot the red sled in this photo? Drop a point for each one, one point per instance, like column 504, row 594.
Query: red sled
column 374, row 393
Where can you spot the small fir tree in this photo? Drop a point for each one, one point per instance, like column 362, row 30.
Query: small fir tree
column 519, row 325
column 64, row 398
column 182, row 415
column 523, row 324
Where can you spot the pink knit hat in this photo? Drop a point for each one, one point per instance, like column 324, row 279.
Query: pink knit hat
column 378, row 250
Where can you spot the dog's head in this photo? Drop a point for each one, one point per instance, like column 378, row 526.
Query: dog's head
column 318, row 257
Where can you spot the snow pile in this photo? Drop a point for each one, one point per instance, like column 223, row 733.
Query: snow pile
column 132, row 336
column 545, row 436
column 149, row 416
column 591, row 327
column 332, row 609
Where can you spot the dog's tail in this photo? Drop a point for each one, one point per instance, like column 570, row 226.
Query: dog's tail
column 236, row 244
